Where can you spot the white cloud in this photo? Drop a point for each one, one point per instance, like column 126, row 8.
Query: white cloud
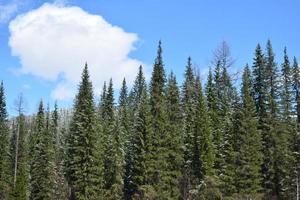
column 63, row 91
column 55, row 41
column 7, row 11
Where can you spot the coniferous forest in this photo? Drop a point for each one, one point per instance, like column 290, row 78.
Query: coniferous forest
column 224, row 136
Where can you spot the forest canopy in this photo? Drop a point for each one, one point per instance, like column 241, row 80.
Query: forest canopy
column 224, row 139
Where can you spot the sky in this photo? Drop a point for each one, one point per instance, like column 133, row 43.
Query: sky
column 45, row 44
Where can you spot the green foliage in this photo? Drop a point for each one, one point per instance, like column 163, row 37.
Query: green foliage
column 42, row 160
column 5, row 177
column 81, row 163
column 249, row 158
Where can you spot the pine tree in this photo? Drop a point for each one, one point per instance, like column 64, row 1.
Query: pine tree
column 283, row 168
column 113, row 153
column 60, row 187
column 260, row 88
column 41, row 164
column 138, row 107
column 81, row 160
column 191, row 150
column 123, row 116
column 296, row 135
column 203, row 132
column 4, row 147
column 174, row 142
column 249, row 158
column 213, row 113
column 140, row 143
column 157, row 149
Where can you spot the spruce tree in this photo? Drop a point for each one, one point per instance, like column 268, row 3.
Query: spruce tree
column 140, row 142
column 139, row 123
column 41, row 164
column 174, row 142
column 156, row 160
column 296, row 135
column 283, row 168
column 60, row 187
column 215, row 122
column 124, row 116
column 203, row 132
column 81, row 160
column 113, row 154
column 4, row 148
column 260, row 88
column 249, row 158
column 192, row 168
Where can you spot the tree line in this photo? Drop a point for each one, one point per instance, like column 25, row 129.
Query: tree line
column 161, row 141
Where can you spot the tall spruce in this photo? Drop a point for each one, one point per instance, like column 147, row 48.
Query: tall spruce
column 215, row 122
column 124, row 116
column 203, row 131
column 249, row 158
column 4, row 148
column 113, row 153
column 174, row 142
column 157, row 149
column 260, row 88
column 283, row 168
column 192, row 164
column 296, row 134
column 81, row 160
column 41, row 164
column 139, row 119
column 60, row 187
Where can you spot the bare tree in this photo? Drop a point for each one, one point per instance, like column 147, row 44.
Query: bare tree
column 19, row 106
column 222, row 55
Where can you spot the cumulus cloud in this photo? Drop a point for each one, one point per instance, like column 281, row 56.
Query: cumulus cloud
column 54, row 42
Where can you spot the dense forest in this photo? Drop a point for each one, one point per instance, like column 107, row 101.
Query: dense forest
column 230, row 136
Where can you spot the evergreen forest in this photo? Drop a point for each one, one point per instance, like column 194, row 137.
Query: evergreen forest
column 226, row 136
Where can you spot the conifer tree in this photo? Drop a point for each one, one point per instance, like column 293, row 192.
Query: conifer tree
column 296, row 135
column 157, row 149
column 249, row 158
column 139, row 119
column 191, row 149
column 123, row 116
column 174, row 142
column 215, row 122
column 60, row 187
column 140, row 143
column 4, row 148
column 113, row 154
column 203, row 132
column 272, row 83
column 41, row 164
column 260, row 88
column 81, row 162
column 283, row 168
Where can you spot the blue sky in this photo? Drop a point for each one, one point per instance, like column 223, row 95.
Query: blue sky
column 132, row 29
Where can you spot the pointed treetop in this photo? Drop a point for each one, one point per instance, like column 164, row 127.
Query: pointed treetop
column 3, row 112
column 41, row 107
column 158, row 60
column 123, row 94
column 286, row 58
